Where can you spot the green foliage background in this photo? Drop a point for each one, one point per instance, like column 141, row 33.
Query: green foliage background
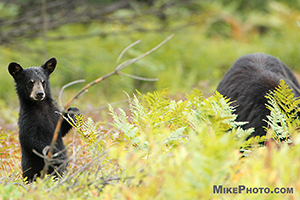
column 173, row 143
column 205, row 45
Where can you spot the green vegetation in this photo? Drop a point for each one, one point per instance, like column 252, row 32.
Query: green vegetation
column 205, row 45
column 170, row 141
column 166, row 149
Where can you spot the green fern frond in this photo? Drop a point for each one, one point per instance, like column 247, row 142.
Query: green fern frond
column 78, row 121
column 195, row 98
column 89, row 132
column 156, row 101
column 155, row 113
column 285, row 98
column 283, row 106
column 121, row 122
column 217, row 111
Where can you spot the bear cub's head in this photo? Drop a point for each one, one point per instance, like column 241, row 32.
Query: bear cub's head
column 32, row 83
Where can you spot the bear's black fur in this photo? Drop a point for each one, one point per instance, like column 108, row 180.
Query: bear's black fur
column 247, row 82
column 38, row 118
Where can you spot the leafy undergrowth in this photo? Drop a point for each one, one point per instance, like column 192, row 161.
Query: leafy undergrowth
column 166, row 149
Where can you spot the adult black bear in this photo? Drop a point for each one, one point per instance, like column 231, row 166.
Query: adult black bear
column 246, row 84
column 38, row 118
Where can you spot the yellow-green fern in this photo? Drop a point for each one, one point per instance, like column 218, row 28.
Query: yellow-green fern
column 283, row 116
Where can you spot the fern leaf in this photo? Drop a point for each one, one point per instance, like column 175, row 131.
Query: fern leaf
column 283, row 106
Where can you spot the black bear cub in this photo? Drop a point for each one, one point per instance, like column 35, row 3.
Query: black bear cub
column 247, row 82
column 38, row 118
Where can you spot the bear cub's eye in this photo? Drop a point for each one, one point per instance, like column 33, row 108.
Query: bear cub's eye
column 31, row 81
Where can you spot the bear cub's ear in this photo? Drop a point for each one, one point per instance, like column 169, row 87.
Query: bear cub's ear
column 14, row 69
column 50, row 65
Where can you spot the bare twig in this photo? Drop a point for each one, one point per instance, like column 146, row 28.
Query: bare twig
column 118, row 68
column 64, row 87
column 124, row 51
column 138, row 77
column 107, row 181
column 23, row 186
column 86, row 166
column 129, row 62
column 117, row 71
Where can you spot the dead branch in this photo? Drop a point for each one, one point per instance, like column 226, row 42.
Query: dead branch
column 64, row 87
column 84, row 89
column 86, row 166
column 124, row 51
column 117, row 70
column 131, row 61
column 23, row 186
column 138, row 77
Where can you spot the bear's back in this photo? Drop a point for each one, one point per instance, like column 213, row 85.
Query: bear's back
column 247, row 82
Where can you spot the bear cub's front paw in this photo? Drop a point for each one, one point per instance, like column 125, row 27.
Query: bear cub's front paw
column 69, row 120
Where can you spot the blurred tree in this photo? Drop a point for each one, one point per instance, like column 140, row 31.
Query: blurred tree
column 30, row 18
column 25, row 18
